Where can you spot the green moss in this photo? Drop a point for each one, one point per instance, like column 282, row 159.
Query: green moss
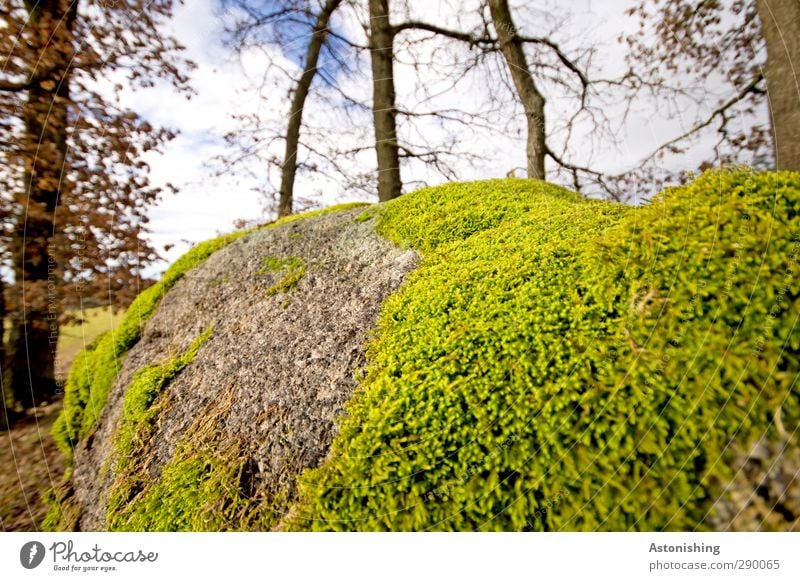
column 63, row 511
column 368, row 214
column 555, row 363
column 207, row 485
column 295, row 268
column 564, row 364
column 272, row 264
column 319, row 212
column 53, row 517
column 136, row 426
column 201, row 489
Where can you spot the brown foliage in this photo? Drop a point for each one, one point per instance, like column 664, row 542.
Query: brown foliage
column 680, row 45
column 73, row 181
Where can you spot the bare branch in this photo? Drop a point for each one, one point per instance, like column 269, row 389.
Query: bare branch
column 453, row 34
column 12, row 87
column 720, row 112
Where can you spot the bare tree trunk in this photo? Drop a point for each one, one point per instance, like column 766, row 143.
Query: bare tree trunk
column 36, row 308
column 381, row 41
column 289, row 170
column 780, row 24
column 6, row 399
column 532, row 100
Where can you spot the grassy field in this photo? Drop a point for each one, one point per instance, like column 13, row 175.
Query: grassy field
column 75, row 336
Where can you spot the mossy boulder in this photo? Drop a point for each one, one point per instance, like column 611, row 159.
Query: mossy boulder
column 552, row 363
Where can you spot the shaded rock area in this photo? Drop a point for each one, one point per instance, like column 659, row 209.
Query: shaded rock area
column 764, row 493
column 291, row 309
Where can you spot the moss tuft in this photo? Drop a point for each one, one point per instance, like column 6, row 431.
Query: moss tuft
column 63, row 511
column 558, row 363
column 295, row 268
column 136, row 426
column 320, row 212
column 208, row 485
column 198, row 491
column 369, row 214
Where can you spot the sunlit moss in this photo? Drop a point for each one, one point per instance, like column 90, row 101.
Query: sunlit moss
column 552, row 347
column 555, row 363
column 139, row 414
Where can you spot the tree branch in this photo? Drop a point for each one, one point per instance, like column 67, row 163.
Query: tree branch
column 454, row 34
column 721, row 112
column 566, row 61
column 12, row 87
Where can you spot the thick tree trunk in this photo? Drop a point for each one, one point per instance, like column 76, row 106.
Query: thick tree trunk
column 384, row 112
column 34, row 330
column 289, row 169
column 780, row 24
column 529, row 95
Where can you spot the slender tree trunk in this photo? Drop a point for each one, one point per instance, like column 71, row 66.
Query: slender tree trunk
column 780, row 25
column 34, row 330
column 6, row 398
column 289, row 170
column 384, row 111
column 532, row 100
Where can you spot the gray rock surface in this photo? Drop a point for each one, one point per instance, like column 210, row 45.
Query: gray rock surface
column 283, row 363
